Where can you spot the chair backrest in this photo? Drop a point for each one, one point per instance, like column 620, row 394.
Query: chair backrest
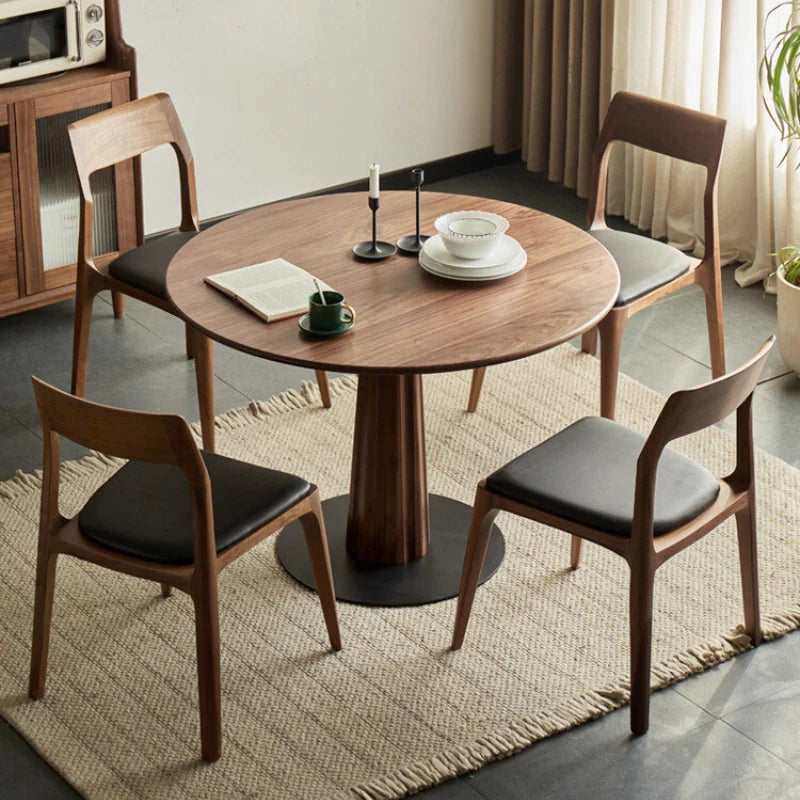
column 124, row 132
column 133, row 435
column 665, row 128
column 137, row 435
column 691, row 410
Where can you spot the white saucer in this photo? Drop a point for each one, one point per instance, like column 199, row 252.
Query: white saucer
column 507, row 249
column 473, row 274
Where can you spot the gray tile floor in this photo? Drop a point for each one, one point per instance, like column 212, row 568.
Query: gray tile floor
column 731, row 732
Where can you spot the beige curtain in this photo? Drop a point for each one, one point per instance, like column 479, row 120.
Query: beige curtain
column 705, row 54
column 552, row 83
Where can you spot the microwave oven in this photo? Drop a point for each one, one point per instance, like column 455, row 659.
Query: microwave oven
column 41, row 37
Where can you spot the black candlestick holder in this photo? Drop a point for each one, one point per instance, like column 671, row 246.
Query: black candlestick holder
column 374, row 250
column 412, row 244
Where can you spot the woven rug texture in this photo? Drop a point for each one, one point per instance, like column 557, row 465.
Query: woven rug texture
column 394, row 711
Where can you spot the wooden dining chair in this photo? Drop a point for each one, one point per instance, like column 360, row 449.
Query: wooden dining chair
column 111, row 137
column 649, row 269
column 601, row 481
column 102, row 140
column 173, row 514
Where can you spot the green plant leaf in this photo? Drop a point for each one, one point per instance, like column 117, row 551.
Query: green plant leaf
column 780, row 78
column 789, row 258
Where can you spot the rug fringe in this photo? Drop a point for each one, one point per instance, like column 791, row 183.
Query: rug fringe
column 281, row 403
column 593, row 704
column 493, row 747
column 24, row 482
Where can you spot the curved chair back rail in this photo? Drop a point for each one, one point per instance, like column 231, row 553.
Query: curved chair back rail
column 690, row 410
column 124, row 132
column 134, row 435
column 665, row 128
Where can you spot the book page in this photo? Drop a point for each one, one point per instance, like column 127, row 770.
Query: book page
column 235, row 281
column 273, row 289
column 278, row 301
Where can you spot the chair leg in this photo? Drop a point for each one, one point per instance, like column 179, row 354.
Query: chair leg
column 712, row 288
column 118, row 303
column 641, row 630
column 576, row 546
column 42, row 614
column 324, row 387
column 475, row 388
column 480, row 531
column 610, row 344
column 208, row 669
column 84, row 299
column 203, row 350
column 166, row 590
column 589, row 341
column 189, row 342
column 748, row 563
column 317, row 543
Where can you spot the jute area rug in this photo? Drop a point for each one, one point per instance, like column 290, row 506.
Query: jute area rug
column 395, row 711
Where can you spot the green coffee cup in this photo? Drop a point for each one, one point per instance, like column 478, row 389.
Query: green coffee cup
column 332, row 314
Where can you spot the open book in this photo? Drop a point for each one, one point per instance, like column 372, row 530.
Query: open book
column 273, row 289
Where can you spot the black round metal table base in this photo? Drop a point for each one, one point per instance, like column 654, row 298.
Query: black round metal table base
column 434, row 577
column 411, row 245
column 374, row 251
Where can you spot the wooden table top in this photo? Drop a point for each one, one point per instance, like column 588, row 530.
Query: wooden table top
column 408, row 321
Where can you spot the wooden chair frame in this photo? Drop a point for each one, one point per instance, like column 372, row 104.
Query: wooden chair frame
column 110, row 137
column 157, row 439
column 684, row 412
column 681, row 133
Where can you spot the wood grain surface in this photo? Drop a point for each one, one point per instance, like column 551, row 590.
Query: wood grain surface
column 408, row 321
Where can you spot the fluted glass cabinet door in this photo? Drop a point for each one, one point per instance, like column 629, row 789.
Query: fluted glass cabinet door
column 47, row 202
column 59, row 196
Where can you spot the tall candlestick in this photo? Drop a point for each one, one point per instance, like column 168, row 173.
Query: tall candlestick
column 374, row 180
column 374, row 250
column 412, row 244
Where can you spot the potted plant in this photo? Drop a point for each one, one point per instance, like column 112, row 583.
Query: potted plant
column 780, row 79
column 789, row 305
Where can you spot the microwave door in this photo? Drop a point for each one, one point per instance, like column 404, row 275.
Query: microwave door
column 38, row 37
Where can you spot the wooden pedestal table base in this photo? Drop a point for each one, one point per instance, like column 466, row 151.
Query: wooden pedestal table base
column 391, row 543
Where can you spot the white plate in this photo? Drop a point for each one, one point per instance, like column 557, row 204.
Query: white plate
column 507, row 249
column 484, row 274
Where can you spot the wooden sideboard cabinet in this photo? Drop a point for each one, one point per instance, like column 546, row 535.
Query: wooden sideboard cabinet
column 39, row 206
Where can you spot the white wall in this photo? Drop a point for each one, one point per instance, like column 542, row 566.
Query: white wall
column 280, row 97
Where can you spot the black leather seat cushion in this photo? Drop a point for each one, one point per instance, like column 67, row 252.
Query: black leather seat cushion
column 644, row 263
column 145, row 267
column 587, row 473
column 145, row 510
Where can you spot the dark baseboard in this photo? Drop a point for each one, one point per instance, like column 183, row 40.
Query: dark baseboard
column 439, row 170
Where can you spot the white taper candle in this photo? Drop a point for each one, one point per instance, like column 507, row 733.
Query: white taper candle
column 374, row 180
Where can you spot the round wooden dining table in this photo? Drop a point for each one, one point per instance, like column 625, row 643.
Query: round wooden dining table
column 391, row 542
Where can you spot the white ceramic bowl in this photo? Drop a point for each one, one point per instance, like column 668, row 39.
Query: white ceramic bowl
column 471, row 234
